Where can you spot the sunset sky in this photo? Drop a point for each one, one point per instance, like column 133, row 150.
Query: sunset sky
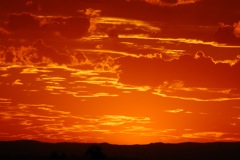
column 120, row 71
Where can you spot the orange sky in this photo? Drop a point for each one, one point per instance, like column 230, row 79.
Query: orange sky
column 122, row 71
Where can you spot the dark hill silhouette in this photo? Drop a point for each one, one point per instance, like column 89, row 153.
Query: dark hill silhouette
column 34, row 150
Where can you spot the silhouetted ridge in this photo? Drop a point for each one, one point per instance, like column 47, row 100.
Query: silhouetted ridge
column 26, row 150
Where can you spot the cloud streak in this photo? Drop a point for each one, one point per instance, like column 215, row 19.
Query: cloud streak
column 170, row 3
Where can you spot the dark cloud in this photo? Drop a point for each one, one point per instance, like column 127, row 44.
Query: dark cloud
column 198, row 71
column 49, row 52
column 24, row 25
column 169, row 1
column 73, row 27
column 112, row 33
column 59, row 7
column 12, row 6
column 228, row 33
column 80, row 57
column 27, row 25
column 162, row 2
column 3, row 31
column 23, row 21
column 193, row 20
column 202, row 11
column 9, row 57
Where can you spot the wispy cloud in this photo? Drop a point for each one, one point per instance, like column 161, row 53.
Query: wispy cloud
column 209, row 135
column 17, row 82
column 174, row 111
column 129, row 23
column 171, row 3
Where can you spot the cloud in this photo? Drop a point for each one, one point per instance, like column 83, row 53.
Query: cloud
column 175, row 22
column 4, row 32
column 18, row 55
column 236, row 27
column 23, row 21
column 115, row 120
column 31, row 26
column 174, row 111
column 93, row 15
column 64, row 7
column 34, row 70
column 170, row 2
column 162, row 2
column 115, row 27
column 47, row 51
column 48, row 120
column 209, row 135
column 8, row 7
column 39, row 53
column 192, row 71
column 74, row 27
column 228, row 33
column 17, row 82
column 112, row 33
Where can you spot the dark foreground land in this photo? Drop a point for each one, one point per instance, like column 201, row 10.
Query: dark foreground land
column 33, row 150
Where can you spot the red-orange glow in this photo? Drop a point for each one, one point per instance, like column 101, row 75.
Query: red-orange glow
column 84, row 71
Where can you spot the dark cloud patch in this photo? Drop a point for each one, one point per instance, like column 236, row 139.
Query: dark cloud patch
column 179, row 20
column 202, row 11
column 29, row 26
column 55, row 7
column 80, row 57
column 4, row 32
column 193, row 71
column 9, row 57
column 49, row 52
column 12, row 6
column 24, row 21
column 112, row 33
column 228, row 33
column 24, row 25
column 170, row 1
column 162, row 2
column 74, row 27
column 71, row 27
